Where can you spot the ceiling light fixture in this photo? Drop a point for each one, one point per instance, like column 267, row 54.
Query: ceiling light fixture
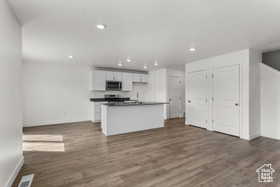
column 192, row 49
column 120, row 64
column 101, row 26
column 145, row 67
column 128, row 59
column 70, row 57
column 156, row 63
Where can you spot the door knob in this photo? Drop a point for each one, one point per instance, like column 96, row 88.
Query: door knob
column 236, row 104
column 189, row 101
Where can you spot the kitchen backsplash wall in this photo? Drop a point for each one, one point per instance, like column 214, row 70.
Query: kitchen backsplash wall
column 139, row 88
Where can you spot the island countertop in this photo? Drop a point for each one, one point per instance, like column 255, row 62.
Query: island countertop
column 134, row 103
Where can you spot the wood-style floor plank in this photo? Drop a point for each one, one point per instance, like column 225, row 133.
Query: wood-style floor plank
column 79, row 155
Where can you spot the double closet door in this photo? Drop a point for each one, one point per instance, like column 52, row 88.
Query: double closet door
column 213, row 100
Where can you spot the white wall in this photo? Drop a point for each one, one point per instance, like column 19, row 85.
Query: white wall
column 55, row 93
column 11, row 157
column 270, row 102
column 255, row 58
column 248, row 60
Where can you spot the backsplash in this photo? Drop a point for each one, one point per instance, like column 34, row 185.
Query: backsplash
column 141, row 89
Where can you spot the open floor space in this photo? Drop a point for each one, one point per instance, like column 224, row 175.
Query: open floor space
column 79, row 155
column 139, row 93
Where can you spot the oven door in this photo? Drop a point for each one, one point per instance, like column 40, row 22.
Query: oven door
column 113, row 85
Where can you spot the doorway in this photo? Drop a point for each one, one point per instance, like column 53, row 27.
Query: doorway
column 176, row 97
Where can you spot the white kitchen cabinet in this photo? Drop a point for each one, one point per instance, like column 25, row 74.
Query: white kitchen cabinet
column 97, row 111
column 109, row 75
column 118, row 76
column 136, row 77
column 127, row 82
column 114, row 76
column 140, row 78
column 145, row 78
column 99, row 80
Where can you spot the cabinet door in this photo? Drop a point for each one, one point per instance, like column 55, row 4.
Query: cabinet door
column 127, row 82
column 136, row 77
column 110, row 76
column 145, row 78
column 198, row 89
column 99, row 80
column 118, row 76
column 141, row 77
column 97, row 111
column 226, row 100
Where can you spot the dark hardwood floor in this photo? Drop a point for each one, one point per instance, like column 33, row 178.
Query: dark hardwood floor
column 176, row 155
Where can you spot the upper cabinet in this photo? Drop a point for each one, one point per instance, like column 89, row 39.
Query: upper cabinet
column 145, row 78
column 99, row 78
column 140, row 78
column 110, row 76
column 114, row 76
column 127, row 82
column 118, row 76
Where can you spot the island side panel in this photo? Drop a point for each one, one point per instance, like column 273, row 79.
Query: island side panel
column 104, row 120
column 124, row 119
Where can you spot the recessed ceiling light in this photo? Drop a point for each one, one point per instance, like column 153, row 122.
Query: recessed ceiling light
column 145, row 67
column 120, row 64
column 70, row 57
column 156, row 63
column 192, row 49
column 128, row 59
column 101, row 26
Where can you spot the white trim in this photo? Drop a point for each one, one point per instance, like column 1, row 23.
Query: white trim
column 271, row 137
column 59, row 122
column 254, row 136
column 15, row 172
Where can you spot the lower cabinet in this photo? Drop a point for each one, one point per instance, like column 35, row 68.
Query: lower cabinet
column 97, row 111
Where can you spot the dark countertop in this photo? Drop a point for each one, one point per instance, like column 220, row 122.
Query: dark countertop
column 135, row 103
column 117, row 99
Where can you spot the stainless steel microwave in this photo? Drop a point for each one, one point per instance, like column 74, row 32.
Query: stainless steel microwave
column 114, row 85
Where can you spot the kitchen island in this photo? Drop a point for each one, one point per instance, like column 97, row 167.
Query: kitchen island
column 120, row 118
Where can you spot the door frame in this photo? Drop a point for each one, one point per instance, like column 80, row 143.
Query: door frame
column 210, row 69
column 240, row 93
column 208, row 125
column 184, row 98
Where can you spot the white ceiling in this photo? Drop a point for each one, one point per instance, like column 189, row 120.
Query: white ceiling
column 145, row 30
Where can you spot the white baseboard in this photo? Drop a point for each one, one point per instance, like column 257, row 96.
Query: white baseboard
column 253, row 136
column 53, row 123
column 15, row 172
column 271, row 137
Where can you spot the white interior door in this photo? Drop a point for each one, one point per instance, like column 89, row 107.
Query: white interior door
column 176, row 92
column 197, row 102
column 226, row 85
